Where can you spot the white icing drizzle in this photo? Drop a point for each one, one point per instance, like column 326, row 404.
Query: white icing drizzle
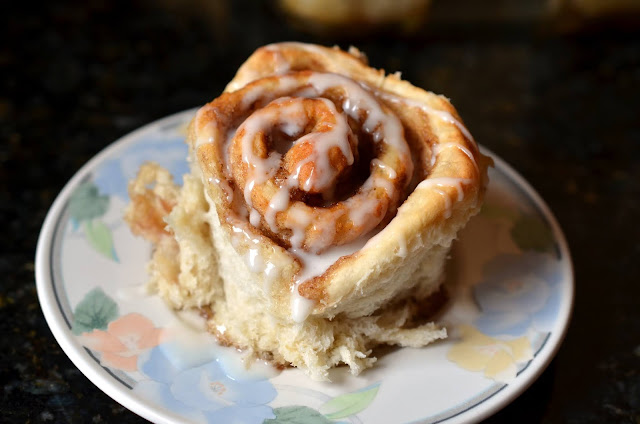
column 322, row 143
column 224, row 185
column 314, row 266
column 298, row 221
column 280, row 64
column 442, row 181
column 278, row 203
column 402, row 247
column 241, row 237
column 190, row 345
column 359, row 104
column 254, row 261
column 442, row 114
column 440, row 147
column 286, row 83
column 447, row 202
column 384, row 127
column 301, row 307
column 270, row 274
column 362, row 211
column 290, row 117
column 391, row 173
column 435, row 183
column 448, row 117
column 240, row 234
column 205, row 135
column 254, row 217
column 386, row 185
column 325, row 228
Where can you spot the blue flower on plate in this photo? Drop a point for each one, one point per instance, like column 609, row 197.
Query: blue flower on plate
column 114, row 174
column 518, row 291
column 204, row 393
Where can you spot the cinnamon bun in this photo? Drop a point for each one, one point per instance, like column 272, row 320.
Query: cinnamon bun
column 322, row 202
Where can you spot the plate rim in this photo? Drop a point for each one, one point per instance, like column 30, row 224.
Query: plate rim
column 146, row 409
column 565, row 313
column 44, row 286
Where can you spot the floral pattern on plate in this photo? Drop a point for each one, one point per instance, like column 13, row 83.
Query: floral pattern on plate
column 519, row 293
column 188, row 379
column 205, row 392
column 509, row 316
column 517, row 296
column 498, row 359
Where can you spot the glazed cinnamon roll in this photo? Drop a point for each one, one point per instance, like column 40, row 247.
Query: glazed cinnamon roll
column 322, row 202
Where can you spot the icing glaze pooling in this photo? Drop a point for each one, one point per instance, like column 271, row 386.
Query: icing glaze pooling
column 189, row 346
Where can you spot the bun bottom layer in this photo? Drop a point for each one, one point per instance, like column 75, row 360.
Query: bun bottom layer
column 194, row 265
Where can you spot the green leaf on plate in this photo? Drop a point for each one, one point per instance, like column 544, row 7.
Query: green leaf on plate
column 297, row 415
column 531, row 233
column 95, row 311
column 99, row 237
column 87, row 203
column 350, row 404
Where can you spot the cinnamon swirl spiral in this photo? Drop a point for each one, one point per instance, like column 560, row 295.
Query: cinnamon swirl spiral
column 322, row 202
column 297, row 146
column 311, row 152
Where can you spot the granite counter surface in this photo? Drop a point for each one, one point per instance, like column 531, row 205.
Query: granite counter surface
column 562, row 109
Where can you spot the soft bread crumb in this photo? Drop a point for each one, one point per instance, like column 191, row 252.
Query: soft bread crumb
column 153, row 195
column 184, row 272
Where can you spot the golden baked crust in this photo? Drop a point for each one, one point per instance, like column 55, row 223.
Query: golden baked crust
column 441, row 147
column 258, row 284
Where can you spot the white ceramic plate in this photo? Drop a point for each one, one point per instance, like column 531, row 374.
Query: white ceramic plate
column 510, row 279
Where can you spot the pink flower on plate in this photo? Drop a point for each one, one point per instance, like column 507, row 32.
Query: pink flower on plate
column 125, row 339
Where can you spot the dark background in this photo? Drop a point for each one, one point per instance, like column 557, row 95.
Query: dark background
column 558, row 97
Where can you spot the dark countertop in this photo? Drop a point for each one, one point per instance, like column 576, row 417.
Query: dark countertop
column 562, row 109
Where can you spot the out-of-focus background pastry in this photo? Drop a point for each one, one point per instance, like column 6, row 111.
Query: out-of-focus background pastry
column 552, row 87
column 355, row 16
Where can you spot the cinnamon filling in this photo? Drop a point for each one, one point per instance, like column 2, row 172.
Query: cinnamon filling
column 318, row 160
